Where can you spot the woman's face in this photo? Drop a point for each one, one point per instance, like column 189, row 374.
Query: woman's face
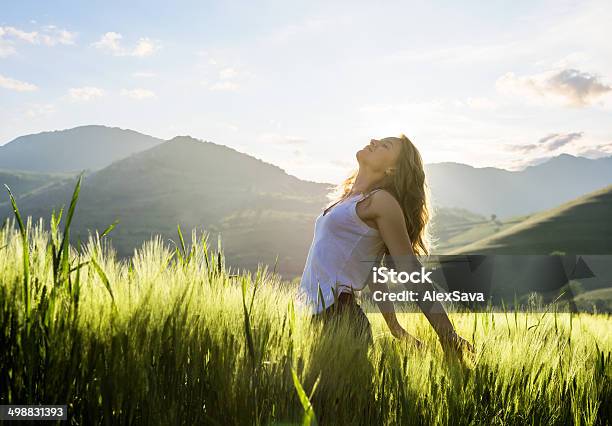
column 380, row 154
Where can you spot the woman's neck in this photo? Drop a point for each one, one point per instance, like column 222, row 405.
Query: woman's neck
column 365, row 181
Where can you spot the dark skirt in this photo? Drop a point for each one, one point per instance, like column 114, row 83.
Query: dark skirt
column 346, row 305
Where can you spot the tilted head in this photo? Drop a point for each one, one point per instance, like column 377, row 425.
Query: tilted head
column 381, row 155
column 400, row 166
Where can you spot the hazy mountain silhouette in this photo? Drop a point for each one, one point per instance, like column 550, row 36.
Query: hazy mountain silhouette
column 484, row 191
column 80, row 148
column 259, row 210
column 510, row 193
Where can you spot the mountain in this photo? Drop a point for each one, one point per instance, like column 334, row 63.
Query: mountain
column 258, row 209
column 506, row 193
column 484, row 191
column 80, row 148
column 581, row 226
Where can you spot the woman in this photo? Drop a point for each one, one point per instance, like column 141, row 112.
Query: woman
column 381, row 209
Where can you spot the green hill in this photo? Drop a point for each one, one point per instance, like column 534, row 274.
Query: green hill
column 22, row 182
column 582, row 226
column 258, row 210
column 462, row 234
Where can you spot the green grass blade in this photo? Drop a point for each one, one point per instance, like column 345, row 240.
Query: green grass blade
column 109, row 228
column 247, row 324
column 104, row 278
column 65, row 245
column 26, row 251
column 309, row 414
column 182, row 241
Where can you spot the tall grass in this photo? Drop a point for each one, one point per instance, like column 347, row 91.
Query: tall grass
column 173, row 336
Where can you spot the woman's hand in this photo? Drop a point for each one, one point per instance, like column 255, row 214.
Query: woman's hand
column 456, row 345
column 399, row 333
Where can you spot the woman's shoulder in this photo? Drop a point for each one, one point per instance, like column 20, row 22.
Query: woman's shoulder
column 381, row 195
column 383, row 201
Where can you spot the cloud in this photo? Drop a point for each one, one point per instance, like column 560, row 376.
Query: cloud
column 144, row 47
column 15, row 33
column 138, row 94
column 593, row 152
column 53, row 36
column 85, row 93
column 597, row 151
column 221, row 76
column 548, row 143
column 555, row 140
column 227, row 81
column 569, row 86
column 110, row 42
column 16, row 85
column 48, row 35
column 522, row 148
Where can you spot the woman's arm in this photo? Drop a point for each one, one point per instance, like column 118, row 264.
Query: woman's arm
column 388, row 312
column 387, row 213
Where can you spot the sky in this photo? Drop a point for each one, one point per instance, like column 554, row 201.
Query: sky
column 304, row 85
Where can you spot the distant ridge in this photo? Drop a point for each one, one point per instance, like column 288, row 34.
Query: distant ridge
column 507, row 193
column 485, row 191
column 80, row 148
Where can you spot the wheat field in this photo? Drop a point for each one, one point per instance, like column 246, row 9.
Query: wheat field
column 174, row 336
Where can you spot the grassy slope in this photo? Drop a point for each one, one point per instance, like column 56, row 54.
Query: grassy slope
column 600, row 299
column 470, row 232
column 449, row 222
column 582, row 226
column 23, row 182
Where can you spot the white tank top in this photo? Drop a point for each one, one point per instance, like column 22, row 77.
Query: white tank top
column 341, row 256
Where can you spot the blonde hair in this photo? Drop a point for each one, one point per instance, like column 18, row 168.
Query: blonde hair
column 409, row 187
